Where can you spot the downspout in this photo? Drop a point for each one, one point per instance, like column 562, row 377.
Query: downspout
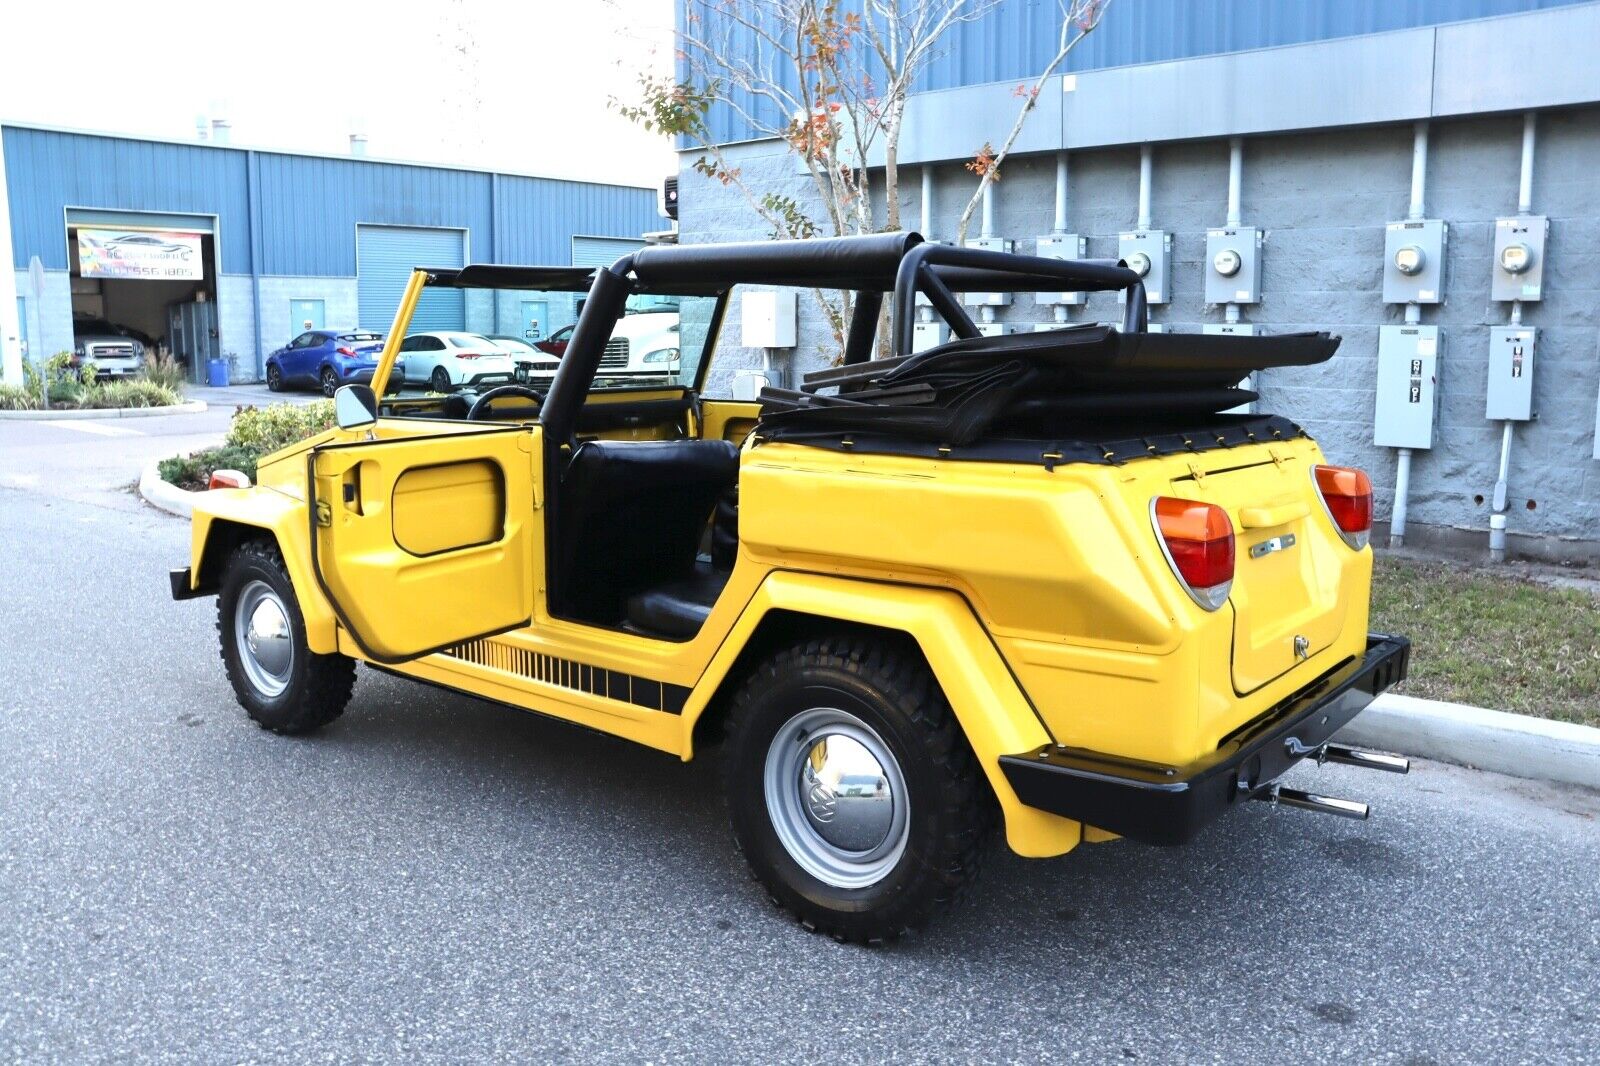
column 1146, row 164
column 1497, row 519
column 1059, row 228
column 252, row 181
column 925, row 309
column 1402, row 475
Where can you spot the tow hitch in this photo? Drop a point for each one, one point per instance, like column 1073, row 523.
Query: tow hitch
column 1309, row 801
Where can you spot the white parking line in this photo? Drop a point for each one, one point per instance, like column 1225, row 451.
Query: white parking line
column 97, row 428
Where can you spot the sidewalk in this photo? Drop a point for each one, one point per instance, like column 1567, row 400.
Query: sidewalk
column 254, row 395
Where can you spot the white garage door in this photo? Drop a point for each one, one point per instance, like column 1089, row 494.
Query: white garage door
column 385, row 257
column 601, row 251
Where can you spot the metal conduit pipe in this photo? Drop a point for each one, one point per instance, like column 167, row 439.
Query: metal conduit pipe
column 1230, row 310
column 1500, row 502
column 988, row 211
column 1402, row 474
column 925, row 310
column 1060, row 225
column 1146, row 155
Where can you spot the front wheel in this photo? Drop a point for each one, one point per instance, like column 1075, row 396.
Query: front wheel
column 274, row 378
column 851, row 788
column 281, row 683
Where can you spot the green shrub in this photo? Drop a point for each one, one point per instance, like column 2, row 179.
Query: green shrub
column 193, row 472
column 135, row 393
column 164, row 370
column 266, row 429
column 18, row 398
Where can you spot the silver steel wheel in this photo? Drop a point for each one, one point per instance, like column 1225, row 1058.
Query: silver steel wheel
column 836, row 798
column 262, row 635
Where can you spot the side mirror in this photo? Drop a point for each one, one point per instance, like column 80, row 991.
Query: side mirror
column 355, row 406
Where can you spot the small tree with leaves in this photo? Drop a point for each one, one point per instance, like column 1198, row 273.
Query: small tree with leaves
column 830, row 84
column 1078, row 19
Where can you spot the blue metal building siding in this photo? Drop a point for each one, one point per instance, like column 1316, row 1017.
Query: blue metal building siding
column 308, row 207
column 1018, row 38
column 48, row 171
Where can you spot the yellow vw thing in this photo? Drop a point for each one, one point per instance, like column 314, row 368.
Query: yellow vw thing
column 1050, row 583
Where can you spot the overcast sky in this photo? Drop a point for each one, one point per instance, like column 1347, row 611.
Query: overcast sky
column 518, row 85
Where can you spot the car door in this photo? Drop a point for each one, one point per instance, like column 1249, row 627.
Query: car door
column 294, row 361
column 428, row 542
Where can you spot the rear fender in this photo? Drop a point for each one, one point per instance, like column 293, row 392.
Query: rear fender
column 995, row 716
column 223, row 517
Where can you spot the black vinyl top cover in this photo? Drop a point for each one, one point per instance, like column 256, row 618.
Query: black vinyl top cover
column 500, row 276
column 866, row 263
column 1049, row 385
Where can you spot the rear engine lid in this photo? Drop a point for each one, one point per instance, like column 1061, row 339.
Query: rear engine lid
column 1286, row 600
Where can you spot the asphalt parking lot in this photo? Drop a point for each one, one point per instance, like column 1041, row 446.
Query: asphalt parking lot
column 436, row 878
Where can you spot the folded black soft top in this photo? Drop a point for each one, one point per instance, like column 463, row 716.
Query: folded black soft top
column 1036, row 385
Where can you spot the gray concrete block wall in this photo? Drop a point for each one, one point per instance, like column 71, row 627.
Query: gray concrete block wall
column 277, row 328
column 49, row 325
column 1323, row 199
column 236, row 328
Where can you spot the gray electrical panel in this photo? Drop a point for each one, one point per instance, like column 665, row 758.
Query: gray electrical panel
column 925, row 335
column 1408, row 386
column 1519, row 258
column 1149, row 253
column 1413, row 262
column 1236, row 329
column 1511, row 373
column 1233, row 265
column 988, row 299
column 1060, row 246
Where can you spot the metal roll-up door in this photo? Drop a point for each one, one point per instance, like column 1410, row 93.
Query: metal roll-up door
column 385, row 258
column 601, row 251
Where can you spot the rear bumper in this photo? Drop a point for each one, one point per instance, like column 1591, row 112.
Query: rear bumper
column 1169, row 804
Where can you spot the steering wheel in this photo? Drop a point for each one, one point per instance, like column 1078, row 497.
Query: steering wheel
column 480, row 406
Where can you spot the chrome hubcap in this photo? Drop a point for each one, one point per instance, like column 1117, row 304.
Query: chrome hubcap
column 837, row 798
column 266, row 647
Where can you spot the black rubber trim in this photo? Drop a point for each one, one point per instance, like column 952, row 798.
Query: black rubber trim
column 180, row 586
column 1169, row 804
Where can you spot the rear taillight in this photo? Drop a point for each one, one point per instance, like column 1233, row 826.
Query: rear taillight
column 1198, row 541
column 1347, row 494
column 229, row 479
column 347, row 352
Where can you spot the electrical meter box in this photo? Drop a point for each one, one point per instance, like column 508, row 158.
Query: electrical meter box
column 925, row 335
column 1149, row 253
column 1519, row 258
column 1413, row 262
column 1408, row 386
column 1233, row 265
column 747, row 384
column 767, row 319
column 1235, row 329
column 1060, row 246
column 992, row 329
column 1510, row 373
column 988, row 299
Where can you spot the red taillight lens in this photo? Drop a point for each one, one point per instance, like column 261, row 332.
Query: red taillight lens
column 1347, row 493
column 347, row 351
column 228, row 479
column 1199, row 541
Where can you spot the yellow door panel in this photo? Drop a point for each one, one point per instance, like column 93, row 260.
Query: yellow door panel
column 729, row 419
column 423, row 544
column 449, row 506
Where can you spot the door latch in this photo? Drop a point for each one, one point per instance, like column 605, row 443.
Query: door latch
column 324, row 514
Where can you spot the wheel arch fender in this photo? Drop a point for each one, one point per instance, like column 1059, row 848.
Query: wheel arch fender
column 993, row 712
column 225, row 518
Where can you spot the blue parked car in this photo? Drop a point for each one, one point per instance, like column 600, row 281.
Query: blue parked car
column 325, row 358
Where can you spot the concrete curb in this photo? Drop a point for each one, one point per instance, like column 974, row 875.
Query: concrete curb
column 1511, row 744
column 163, row 494
column 189, row 407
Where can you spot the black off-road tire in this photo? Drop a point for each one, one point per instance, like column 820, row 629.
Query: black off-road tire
column 318, row 686
column 885, row 683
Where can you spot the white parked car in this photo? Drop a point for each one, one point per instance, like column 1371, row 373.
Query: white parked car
column 443, row 359
column 532, row 364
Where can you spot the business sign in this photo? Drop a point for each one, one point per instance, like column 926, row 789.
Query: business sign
column 154, row 255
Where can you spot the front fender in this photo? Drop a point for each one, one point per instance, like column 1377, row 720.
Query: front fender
column 992, row 710
column 219, row 517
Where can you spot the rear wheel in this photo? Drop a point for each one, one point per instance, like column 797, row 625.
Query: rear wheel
column 330, row 381
column 274, row 377
column 851, row 788
column 282, row 684
column 440, row 379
